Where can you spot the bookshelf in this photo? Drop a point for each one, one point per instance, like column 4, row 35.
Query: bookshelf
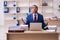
column 20, row 9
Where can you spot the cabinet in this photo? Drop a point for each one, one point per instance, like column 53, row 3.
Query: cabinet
column 32, row 36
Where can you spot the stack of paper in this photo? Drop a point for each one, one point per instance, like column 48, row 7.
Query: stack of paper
column 58, row 29
column 25, row 27
column 21, row 27
column 52, row 28
column 13, row 28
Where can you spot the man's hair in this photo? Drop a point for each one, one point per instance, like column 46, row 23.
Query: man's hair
column 36, row 6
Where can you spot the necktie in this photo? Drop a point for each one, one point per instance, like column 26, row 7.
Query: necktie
column 34, row 18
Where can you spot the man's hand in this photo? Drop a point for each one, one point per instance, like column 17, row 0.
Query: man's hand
column 22, row 21
column 47, row 21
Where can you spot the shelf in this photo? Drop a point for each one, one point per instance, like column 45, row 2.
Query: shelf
column 38, row 6
column 22, row 1
column 22, row 5
column 24, row 10
column 48, row 0
column 22, row 15
column 11, row 6
column 14, row 13
column 9, row 0
column 47, row 11
column 47, row 7
column 12, row 10
column 25, row 5
column 7, row 13
column 23, row 18
column 9, row 18
column 10, row 22
column 35, row 2
column 48, row 14
column 39, row 10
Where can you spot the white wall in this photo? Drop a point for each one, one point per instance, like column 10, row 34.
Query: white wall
column 1, row 13
column 2, row 28
column 3, row 31
column 56, row 12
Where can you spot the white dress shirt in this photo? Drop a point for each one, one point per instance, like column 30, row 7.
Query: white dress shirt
column 34, row 16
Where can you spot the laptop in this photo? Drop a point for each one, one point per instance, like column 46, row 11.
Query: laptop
column 35, row 26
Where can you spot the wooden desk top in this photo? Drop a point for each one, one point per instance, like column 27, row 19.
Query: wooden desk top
column 33, row 32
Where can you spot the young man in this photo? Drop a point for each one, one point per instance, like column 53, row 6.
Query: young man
column 35, row 17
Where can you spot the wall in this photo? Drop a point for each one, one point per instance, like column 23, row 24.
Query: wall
column 1, row 13
column 56, row 12
column 2, row 28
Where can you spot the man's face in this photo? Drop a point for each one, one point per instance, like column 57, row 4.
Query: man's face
column 34, row 9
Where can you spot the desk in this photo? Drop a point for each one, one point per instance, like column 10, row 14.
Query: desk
column 32, row 36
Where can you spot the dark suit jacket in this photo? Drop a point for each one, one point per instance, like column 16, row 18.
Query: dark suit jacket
column 40, row 19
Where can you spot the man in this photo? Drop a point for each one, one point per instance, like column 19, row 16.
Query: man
column 35, row 17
